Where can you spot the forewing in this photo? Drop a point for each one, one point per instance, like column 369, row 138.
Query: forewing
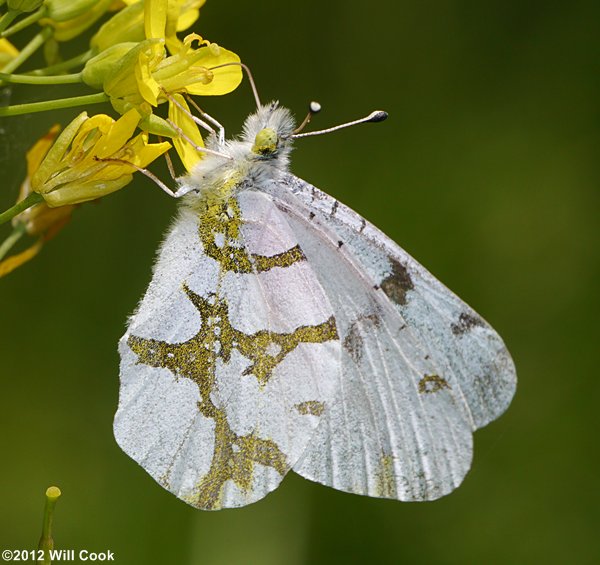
column 420, row 369
column 230, row 360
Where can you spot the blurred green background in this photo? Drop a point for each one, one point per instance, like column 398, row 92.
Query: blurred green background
column 487, row 172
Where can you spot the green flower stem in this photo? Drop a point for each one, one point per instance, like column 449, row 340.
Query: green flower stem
column 7, row 19
column 25, row 22
column 36, row 42
column 46, row 541
column 10, row 241
column 30, row 79
column 18, row 109
column 33, row 198
column 81, row 59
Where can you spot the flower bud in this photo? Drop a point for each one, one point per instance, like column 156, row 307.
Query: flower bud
column 102, row 65
column 64, row 10
column 70, row 18
column 24, row 5
column 125, row 26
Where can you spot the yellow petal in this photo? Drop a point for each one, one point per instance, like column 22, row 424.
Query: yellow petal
column 195, row 70
column 88, row 135
column 37, row 153
column 7, row 52
column 173, row 7
column 14, row 261
column 7, row 47
column 225, row 79
column 56, row 153
column 141, row 153
column 125, row 26
column 155, row 18
column 188, row 14
column 147, row 85
column 123, row 81
column 118, row 135
column 76, row 192
column 39, row 219
column 181, row 15
column 187, row 153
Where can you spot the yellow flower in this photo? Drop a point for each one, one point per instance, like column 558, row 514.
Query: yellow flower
column 142, row 74
column 145, row 72
column 93, row 157
column 39, row 220
column 192, row 70
column 129, row 78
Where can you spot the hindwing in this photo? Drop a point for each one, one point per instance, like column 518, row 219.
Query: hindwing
column 229, row 362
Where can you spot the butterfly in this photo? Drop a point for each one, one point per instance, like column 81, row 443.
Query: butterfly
column 282, row 331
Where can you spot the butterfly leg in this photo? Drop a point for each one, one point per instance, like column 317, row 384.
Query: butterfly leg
column 197, row 147
column 208, row 117
column 145, row 172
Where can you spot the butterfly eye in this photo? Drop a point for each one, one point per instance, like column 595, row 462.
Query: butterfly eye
column 265, row 142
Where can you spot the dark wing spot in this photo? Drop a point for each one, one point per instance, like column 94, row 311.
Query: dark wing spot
column 310, row 407
column 465, row 322
column 398, row 283
column 432, row 383
column 354, row 342
column 334, row 208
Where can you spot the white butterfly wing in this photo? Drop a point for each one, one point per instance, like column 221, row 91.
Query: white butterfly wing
column 221, row 363
column 420, row 369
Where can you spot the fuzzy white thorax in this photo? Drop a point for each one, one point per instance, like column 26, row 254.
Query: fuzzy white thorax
column 244, row 166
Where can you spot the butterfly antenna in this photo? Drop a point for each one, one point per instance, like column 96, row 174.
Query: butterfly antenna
column 377, row 116
column 250, row 78
column 313, row 108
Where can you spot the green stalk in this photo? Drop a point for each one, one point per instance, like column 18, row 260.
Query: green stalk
column 46, row 541
column 30, row 79
column 29, row 49
column 18, row 109
column 7, row 19
column 81, row 59
column 18, row 231
column 25, row 22
column 33, row 198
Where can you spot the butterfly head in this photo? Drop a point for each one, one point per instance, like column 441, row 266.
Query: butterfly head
column 265, row 142
column 269, row 132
